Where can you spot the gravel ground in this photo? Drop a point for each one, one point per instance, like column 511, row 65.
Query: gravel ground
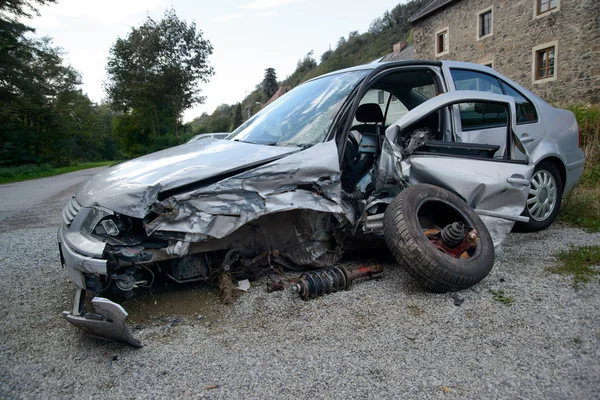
column 384, row 338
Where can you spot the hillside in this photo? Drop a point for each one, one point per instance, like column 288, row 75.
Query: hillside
column 356, row 49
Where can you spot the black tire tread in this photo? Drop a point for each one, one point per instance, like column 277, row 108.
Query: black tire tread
column 414, row 259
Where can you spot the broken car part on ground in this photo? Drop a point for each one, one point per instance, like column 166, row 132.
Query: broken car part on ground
column 394, row 150
column 330, row 280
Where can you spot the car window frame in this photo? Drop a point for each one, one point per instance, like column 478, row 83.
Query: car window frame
column 507, row 156
column 501, row 82
column 537, row 114
column 340, row 129
column 512, row 140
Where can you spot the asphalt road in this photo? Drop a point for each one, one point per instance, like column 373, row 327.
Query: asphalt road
column 20, row 196
column 383, row 338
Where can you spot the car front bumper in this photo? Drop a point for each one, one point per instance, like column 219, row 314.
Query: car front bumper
column 81, row 255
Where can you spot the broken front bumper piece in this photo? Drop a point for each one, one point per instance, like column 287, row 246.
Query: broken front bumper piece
column 108, row 321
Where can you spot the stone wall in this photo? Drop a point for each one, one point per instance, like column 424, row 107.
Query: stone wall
column 575, row 27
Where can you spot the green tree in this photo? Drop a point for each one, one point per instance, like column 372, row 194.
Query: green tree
column 326, row 55
column 154, row 74
column 238, row 118
column 44, row 116
column 269, row 83
column 303, row 67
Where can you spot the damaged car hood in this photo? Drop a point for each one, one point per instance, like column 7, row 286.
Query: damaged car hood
column 132, row 187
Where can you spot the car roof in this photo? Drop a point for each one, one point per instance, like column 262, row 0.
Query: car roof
column 446, row 63
column 383, row 65
column 387, row 64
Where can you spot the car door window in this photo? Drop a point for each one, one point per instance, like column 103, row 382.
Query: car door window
column 395, row 110
column 525, row 109
column 475, row 116
column 484, row 123
column 484, row 132
column 479, row 115
column 427, row 91
column 471, row 80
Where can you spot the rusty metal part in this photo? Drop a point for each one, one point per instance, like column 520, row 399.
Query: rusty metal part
column 467, row 241
column 275, row 286
column 330, row 280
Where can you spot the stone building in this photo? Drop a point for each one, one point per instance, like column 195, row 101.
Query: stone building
column 401, row 51
column 552, row 47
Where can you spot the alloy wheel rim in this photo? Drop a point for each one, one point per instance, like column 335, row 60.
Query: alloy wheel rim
column 542, row 195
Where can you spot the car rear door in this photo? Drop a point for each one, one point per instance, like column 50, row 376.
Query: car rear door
column 495, row 183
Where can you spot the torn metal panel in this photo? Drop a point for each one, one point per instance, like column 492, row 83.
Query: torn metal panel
column 389, row 176
column 483, row 184
column 309, row 180
column 132, row 187
column 499, row 229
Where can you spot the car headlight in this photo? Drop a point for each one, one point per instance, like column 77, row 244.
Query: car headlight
column 93, row 219
column 110, row 227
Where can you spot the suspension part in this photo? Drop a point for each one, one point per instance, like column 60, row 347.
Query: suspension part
column 330, row 280
column 458, row 250
column 453, row 234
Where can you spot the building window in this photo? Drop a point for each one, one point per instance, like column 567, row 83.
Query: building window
column 380, row 97
column 544, row 63
column 441, row 42
column 485, row 23
column 543, row 6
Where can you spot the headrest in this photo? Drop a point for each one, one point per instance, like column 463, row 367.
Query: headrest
column 369, row 112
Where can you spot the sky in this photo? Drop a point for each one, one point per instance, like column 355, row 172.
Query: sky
column 248, row 36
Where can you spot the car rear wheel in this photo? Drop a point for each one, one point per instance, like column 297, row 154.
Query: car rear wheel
column 438, row 239
column 543, row 202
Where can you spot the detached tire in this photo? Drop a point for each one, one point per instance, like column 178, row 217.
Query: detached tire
column 423, row 206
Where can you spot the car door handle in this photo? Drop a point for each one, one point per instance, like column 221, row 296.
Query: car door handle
column 525, row 138
column 518, row 180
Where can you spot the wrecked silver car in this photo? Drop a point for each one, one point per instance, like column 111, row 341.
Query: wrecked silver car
column 394, row 150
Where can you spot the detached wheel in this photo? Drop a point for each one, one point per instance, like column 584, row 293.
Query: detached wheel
column 543, row 202
column 413, row 225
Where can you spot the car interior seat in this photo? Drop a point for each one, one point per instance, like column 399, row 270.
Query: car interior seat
column 360, row 156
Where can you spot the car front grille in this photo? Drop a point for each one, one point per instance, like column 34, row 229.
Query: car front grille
column 70, row 211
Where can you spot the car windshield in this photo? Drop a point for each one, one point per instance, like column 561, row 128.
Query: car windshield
column 303, row 116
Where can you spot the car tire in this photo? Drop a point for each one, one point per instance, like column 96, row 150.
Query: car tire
column 547, row 178
column 404, row 222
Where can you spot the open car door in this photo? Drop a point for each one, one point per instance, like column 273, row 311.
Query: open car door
column 493, row 178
